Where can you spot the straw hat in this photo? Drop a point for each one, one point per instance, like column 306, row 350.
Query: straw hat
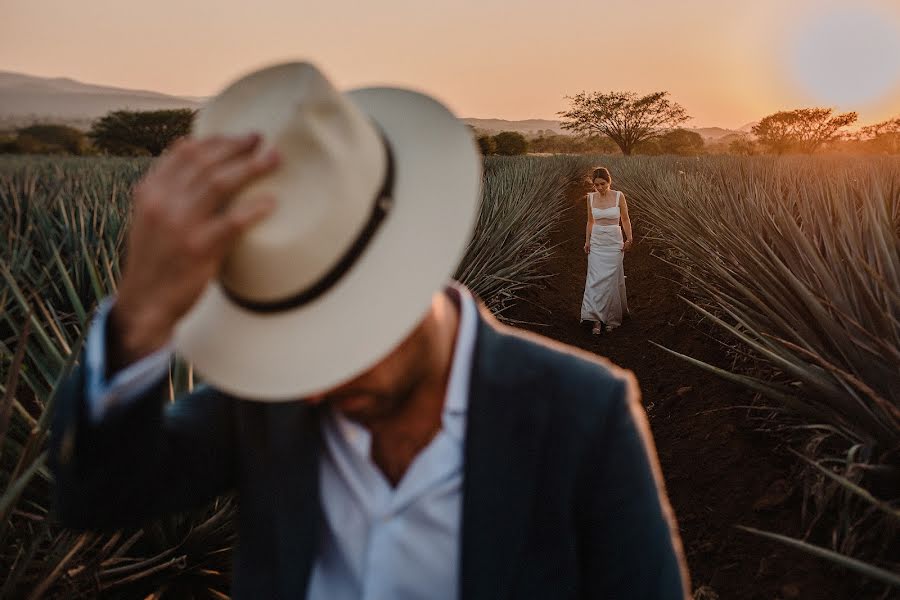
column 377, row 193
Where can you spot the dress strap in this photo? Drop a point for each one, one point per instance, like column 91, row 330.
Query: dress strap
column 617, row 198
column 591, row 199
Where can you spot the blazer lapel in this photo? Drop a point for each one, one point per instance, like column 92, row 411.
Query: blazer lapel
column 504, row 436
column 295, row 447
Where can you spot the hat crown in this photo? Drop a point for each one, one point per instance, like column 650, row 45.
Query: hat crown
column 333, row 165
column 250, row 341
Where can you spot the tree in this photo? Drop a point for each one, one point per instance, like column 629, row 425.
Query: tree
column 7, row 144
column 803, row 129
column 624, row 117
column 677, row 141
column 743, row 146
column 143, row 132
column 51, row 139
column 487, row 145
column 510, row 143
column 884, row 136
column 681, row 141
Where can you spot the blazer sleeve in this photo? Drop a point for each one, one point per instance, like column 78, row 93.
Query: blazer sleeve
column 145, row 458
column 631, row 547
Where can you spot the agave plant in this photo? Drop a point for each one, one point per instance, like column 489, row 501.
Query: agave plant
column 63, row 224
column 523, row 199
column 798, row 260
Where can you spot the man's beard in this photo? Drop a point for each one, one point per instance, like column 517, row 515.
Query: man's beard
column 369, row 402
column 368, row 406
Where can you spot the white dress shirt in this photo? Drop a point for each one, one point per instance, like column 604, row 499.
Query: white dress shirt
column 377, row 541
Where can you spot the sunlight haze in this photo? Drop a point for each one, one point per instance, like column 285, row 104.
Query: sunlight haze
column 727, row 63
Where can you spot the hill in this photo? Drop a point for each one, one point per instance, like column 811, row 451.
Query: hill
column 25, row 99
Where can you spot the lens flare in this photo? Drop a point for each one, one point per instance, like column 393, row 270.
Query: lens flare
column 849, row 57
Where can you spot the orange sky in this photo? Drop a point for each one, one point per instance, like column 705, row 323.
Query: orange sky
column 728, row 63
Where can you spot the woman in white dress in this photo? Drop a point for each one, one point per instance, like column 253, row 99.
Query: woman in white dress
column 604, row 300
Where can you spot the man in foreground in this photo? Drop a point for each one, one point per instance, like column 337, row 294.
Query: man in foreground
column 385, row 436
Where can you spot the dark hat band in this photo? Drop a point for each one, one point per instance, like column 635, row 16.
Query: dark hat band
column 381, row 205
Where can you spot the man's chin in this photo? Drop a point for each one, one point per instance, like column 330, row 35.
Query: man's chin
column 358, row 407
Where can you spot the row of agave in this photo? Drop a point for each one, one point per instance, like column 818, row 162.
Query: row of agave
column 62, row 229
column 797, row 260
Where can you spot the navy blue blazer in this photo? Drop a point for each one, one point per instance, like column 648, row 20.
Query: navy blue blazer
column 562, row 493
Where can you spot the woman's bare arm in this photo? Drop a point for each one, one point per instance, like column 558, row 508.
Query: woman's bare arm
column 590, row 223
column 626, row 222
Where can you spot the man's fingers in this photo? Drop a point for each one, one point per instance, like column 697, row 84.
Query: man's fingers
column 214, row 152
column 189, row 158
column 225, row 230
column 222, row 184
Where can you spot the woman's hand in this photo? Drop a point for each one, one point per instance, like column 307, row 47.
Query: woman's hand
column 626, row 246
column 587, row 247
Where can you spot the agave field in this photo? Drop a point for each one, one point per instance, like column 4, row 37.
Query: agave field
column 63, row 225
column 796, row 262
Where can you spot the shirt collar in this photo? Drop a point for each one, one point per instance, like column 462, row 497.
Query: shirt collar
column 456, row 403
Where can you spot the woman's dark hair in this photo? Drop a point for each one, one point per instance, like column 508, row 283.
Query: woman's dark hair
column 601, row 173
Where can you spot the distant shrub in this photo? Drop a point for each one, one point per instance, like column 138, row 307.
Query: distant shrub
column 487, row 145
column 140, row 133
column 678, row 141
column 510, row 143
column 743, row 146
column 46, row 139
column 56, row 139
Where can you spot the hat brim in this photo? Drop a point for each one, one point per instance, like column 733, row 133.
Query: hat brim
column 379, row 301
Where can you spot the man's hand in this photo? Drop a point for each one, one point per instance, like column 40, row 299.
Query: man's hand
column 182, row 228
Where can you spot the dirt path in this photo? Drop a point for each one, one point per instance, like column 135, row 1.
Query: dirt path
column 718, row 471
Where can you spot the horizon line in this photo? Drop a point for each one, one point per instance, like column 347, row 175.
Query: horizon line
column 200, row 99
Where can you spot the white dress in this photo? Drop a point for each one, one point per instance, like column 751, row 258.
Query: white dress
column 604, row 291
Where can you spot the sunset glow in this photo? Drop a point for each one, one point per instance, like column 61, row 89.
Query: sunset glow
column 727, row 63
column 848, row 57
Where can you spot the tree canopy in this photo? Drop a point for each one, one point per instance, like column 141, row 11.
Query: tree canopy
column 510, row 143
column 487, row 145
column 884, row 136
column 678, row 141
column 52, row 139
column 624, row 117
column 135, row 133
column 802, row 130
